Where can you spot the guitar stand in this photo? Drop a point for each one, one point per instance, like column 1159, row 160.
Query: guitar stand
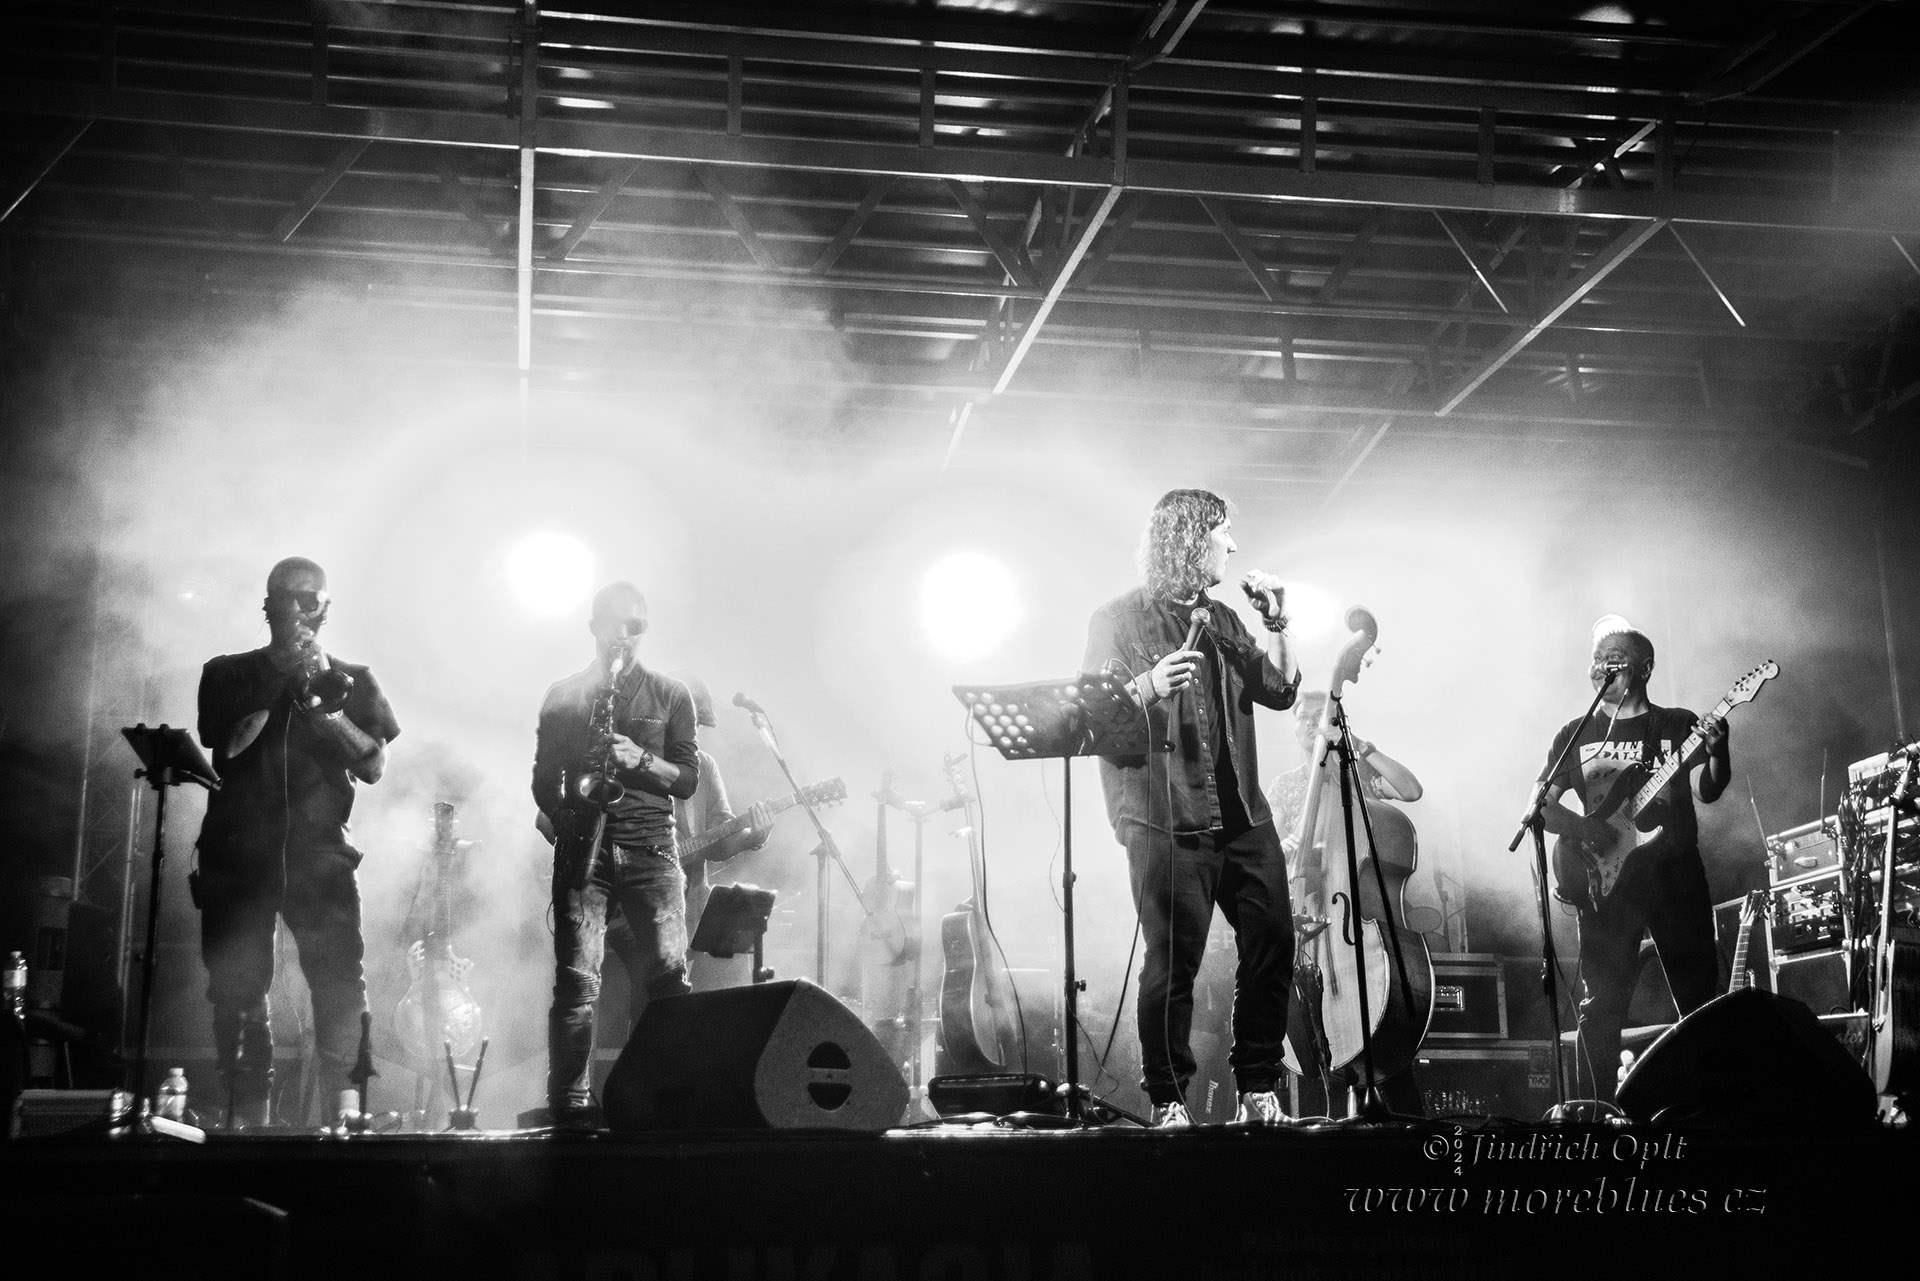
column 1564, row 1110
column 462, row 1116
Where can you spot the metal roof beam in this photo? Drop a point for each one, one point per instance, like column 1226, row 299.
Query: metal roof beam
column 317, row 190
column 602, row 200
column 1896, row 213
column 1243, row 248
column 63, row 143
column 1598, row 269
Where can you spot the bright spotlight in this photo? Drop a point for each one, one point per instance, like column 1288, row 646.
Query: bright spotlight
column 968, row 604
column 550, row 573
column 1311, row 613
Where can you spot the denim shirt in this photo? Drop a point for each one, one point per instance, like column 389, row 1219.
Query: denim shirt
column 1126, row 637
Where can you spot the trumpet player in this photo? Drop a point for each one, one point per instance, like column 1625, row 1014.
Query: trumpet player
column 292, row 731
column 615, row 746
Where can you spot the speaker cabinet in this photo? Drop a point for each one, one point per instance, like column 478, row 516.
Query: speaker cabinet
column 776, row 1056
column 1748, row 1055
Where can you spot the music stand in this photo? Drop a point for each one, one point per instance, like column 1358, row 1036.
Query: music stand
column 734, row 921
column 168, row 757
column 1090, row 714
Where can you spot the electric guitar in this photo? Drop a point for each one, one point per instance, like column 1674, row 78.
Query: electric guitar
column 1586, row 867
column 693, row 851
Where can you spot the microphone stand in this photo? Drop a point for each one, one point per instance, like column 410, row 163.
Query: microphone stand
column 825, row 850
column 1563, row 1109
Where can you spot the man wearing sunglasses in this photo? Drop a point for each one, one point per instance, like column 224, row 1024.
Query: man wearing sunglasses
column 647, row 751
column 292, row 729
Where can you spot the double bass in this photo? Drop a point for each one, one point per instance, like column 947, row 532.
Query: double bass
column 1326, row 1036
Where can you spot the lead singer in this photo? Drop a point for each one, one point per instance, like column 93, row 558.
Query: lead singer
column 619, row 722
column 1190, row 813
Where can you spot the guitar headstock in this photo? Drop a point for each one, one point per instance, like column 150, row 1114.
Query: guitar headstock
column 1751, row 906
column 831, row 791
column 950, row 763
column 1747, row 686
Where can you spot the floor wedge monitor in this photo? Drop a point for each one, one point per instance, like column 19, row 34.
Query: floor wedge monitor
column 780, row 1056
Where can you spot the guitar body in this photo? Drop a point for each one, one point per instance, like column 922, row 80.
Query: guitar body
column 439, row 1007
column 1896, row 1023
column 975, row 1019
column 979, row 1026
column 1586, row 867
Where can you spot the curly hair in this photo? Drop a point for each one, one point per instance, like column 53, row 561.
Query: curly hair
column 1173, row 551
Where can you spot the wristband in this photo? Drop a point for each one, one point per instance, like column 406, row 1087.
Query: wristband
column 1277, row 625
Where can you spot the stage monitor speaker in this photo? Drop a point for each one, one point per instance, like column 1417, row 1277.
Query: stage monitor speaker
column 1748, row 1056
column 779, row 1056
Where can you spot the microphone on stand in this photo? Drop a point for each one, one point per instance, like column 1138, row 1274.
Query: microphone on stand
column 753, row 708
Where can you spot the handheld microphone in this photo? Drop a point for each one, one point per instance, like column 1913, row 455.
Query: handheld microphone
column 741, row 700
column 1196, row 620
column 1269, row 603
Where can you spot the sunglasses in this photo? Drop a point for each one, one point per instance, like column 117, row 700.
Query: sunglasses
column 305, row 602
column 630, row 626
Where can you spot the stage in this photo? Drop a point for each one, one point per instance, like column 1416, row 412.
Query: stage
column 1482, row 1199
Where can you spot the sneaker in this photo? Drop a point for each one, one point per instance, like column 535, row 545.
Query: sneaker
column 1260, row 1107
column 1171, row 1116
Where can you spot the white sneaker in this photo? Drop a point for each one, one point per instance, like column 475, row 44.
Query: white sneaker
column 1260, row 1107
column 1171, row 1116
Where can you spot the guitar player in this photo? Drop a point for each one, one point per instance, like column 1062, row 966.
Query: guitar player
column 1662, row 886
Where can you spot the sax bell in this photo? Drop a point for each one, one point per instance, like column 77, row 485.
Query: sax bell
column 599, row 789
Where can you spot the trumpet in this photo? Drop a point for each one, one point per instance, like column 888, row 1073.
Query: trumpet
column 598, row 787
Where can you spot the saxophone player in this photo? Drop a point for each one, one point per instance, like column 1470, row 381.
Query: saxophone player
column 614, row 748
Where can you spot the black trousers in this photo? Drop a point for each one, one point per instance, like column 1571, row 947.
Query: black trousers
column 1177, row 881
column 1662, row 892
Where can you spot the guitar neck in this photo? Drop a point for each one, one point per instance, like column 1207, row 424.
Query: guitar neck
column 1650, row 790
column 732, row 827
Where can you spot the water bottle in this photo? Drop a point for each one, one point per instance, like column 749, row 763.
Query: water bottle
column 16, row 985
column 172, row 1099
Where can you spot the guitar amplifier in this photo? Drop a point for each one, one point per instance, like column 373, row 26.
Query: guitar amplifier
column 1801, row 851
column 1469, row 997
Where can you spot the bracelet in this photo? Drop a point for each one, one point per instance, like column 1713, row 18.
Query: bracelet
column 1277, row 625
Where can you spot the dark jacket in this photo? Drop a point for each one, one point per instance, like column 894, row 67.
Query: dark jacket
column 1126, row 637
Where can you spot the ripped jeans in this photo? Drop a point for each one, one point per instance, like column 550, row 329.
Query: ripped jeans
column 652, row 893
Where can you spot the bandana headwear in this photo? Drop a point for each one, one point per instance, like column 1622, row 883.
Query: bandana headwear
column 1614, row 625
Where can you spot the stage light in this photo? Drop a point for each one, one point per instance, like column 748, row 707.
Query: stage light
column 550, row 573
column 968, row 604
column 1311, row 613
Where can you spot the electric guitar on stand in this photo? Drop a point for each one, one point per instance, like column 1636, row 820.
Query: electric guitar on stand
column 1633, row 812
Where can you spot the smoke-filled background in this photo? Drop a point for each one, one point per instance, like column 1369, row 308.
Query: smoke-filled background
column 787, row 555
